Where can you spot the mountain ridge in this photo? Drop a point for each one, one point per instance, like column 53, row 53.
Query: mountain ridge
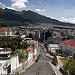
column 10, row 17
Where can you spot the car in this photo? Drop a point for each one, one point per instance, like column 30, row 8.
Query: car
column 36, row 60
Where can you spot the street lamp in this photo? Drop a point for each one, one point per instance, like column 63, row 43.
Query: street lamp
column 44, row 35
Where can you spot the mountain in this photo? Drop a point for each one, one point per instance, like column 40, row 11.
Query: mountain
column 10, row 17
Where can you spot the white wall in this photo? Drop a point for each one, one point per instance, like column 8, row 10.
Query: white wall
column 2, row 70
column 14, row 63
column 30, row 55
column 35, row 51
column 5, row 52
column 10, row 33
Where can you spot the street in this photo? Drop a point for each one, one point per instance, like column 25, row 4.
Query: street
column 42, row 67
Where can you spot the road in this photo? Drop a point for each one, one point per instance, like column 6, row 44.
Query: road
column 42, row 67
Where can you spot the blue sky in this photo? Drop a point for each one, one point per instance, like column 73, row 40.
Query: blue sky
column 63, row 10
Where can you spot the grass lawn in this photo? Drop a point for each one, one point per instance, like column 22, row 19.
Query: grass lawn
column 64, row 61
column 69, row 64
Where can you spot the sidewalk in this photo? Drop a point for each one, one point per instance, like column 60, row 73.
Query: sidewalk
column 48, row 55
column 60, row 64
column 55, row 69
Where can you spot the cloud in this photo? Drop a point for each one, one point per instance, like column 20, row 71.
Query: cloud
column 19, row 3
column 40, row 2
column 19, row 0
column 40, row 10
column 11, row 8
column 69, row 20
column 2, row 4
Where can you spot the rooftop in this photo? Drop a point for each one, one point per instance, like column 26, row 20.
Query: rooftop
column 5, row 29
column 53, row 45
column 69, row 42
column 30, row 48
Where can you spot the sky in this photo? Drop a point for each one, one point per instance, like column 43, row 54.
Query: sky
column 62, row 10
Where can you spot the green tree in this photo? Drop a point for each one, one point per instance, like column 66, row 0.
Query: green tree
column 21, row 53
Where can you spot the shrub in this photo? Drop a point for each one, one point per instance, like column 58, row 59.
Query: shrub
column 74, row 56
column 20, row 53
column 55, row 60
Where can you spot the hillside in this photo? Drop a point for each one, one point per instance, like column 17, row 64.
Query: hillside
column 16, row 18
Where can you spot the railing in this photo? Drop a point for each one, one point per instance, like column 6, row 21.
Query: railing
column 4, row 58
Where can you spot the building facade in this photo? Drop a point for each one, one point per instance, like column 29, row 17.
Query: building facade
column 68, row 46
column 5, row 31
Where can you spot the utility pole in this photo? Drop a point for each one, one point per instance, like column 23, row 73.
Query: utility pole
column 44, row 36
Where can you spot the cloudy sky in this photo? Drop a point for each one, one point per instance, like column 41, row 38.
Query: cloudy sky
column 63, row 10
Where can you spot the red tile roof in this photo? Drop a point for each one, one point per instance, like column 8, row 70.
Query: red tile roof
column 8, row 29
column 5, row 29
column 29, row 49
column 69, row 42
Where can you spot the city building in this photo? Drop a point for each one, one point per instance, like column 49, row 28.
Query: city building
column 37, row 34
column 5, row 31
column 54, row 48
column 68, row 46
column 53, row 40
column 31, row 53
column 8, row 63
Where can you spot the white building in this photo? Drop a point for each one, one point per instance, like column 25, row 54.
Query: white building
column 53, row 48
column 31, row 53
column 5, row 31
column 9, row 65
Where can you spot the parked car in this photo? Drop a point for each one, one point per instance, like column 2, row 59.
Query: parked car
column 36, row 60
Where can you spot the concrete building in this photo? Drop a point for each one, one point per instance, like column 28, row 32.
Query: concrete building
column 28, row 40
column 68, row 46
column 33, row 49
column 53, row 40
column 37, row 34
column 8, row 63
column 31, row 53
column 56, row 34
column 54, row 48
column 5, row 52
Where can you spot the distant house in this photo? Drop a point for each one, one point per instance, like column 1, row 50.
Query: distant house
column 54, row 48
column 68, row 46
column 56, row 34
column 31, row 53
column 27, row 39
column 53, row 40
column 5, row 31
